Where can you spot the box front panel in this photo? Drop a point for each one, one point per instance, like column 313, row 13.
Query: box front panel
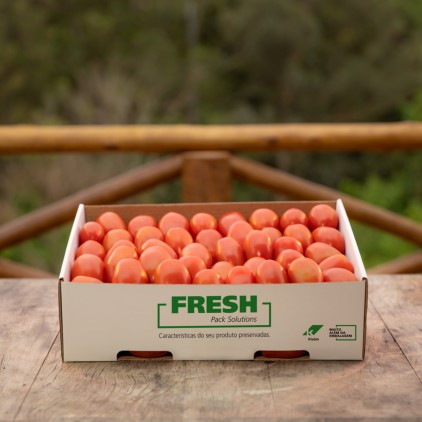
column 213, row 322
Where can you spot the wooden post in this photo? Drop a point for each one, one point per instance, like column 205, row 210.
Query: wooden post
column 206, row 176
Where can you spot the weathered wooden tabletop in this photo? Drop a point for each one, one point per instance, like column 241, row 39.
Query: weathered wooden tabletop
column 36, row 385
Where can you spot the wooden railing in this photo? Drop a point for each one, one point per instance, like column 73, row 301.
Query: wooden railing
column 208, row 151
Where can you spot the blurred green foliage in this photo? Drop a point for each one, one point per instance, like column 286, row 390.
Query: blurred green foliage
column 219, row 61
column 210, row 61
column 393, row 193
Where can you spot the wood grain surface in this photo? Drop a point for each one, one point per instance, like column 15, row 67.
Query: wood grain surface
column 35, row 385
column 400, row 308
column 28, row 328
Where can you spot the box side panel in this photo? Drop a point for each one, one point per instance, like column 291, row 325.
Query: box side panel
column 72, row 244
column 352, row 250
column 68, row 260
column 365, row 320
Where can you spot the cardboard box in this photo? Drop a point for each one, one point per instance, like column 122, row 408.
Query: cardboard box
column 99, row 322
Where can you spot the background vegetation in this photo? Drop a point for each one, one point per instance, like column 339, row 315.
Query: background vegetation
column 210, row 61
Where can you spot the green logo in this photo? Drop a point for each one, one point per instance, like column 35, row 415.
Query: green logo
column 214, row 304
column 214, row 312
column 344, row 332
column 312, row 330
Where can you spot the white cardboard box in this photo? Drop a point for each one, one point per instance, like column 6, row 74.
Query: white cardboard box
column 227, row 322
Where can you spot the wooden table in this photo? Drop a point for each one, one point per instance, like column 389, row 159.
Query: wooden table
column 36, row 385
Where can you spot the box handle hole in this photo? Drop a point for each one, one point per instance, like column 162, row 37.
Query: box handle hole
column 144, row 354
column 281, row 354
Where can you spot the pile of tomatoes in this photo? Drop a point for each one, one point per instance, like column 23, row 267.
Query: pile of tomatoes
column 295, row 247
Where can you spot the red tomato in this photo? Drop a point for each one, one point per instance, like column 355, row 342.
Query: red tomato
column 111, row 220
column 92, row 247
column 258, row 243
column 147, row 355
column 238, row 231
column 88, row 265
column 254, row 262
column 336, row 261
column 129, row 270
column 227, row 219
column 140, row 221
column 119, row 253
column 283, row 354
column 116, row 245
column 177, row 238
column 223, row 268
column 330, row 236
column 171, row 220
column 122, row 242
column 286, row 257
column 263, row 217
column 319, row 251
column 202, row 221
column 113, row 236
column 299, row 232
column 147, row 233
column 196, row 249
column 151, row 258
column 91, row 231
column 209, row 239
column 240, row 275
column 304, row 270
column 229, row 250
column 172, row 271
column 323, row 215
column 207, row 276
column 156, row 242
column 193, row 264
column 85, row 279
column 339, row 274
column 273, row 233
column 293, row 216
column 271, row 272
column 286, row 242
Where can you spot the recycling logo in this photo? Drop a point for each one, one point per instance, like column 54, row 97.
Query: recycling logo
column 312, row 330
